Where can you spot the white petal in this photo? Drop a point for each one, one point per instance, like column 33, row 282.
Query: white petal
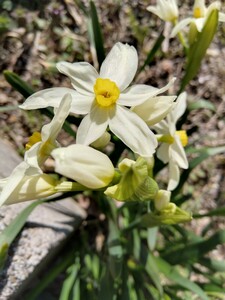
column 139, row 93
column 180, row 26
column 92, row 126
column 179, row 108
column 12, row 183
column 162, row 127
column 32, row 156
column 177, row 153
column 199, row 23
column 133, row 131
column 120, row 65
column 155, row 109
column 52, row 97
column 85, row 165
column 163, row 152
column 155, row 10
column 51, row 130
column 174, row 176
column 82, row 76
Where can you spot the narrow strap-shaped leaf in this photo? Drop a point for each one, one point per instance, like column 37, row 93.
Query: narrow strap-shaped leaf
column 171, row 273
column 97, row 33
column 69, row 282
column 153, row 51
column 201, row 103
column 18, row 84
column 198, row 49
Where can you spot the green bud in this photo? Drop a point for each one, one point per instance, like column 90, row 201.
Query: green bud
column 170, row 215
column 135, row 183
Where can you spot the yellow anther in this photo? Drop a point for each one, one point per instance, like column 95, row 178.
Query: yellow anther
column 33, row 139
column 183, row 137
column 106, row 92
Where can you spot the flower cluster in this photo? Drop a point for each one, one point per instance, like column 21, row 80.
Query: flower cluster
column 134, row 114
column 168, row 11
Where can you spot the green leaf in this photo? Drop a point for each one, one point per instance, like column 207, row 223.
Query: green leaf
column 213, row 264
column 70, row 281
column 198, row 49
column 215, row 212
column 193, row 252
column 96, row 33
column 203, row 154
column 172, row 274
column 202, row 103
column 8, row 108
column 12, row 230
column 18, row 84
column 153, row 51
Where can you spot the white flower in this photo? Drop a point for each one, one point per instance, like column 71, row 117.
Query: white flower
column 154, row 109
column 41, row 144
column 166, row 10
column 172, row 148
column 200, row 16
column 104, row 98
column 85, row 165
column 26, row 183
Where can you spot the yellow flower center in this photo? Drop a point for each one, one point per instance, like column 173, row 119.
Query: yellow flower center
column 35, row 138
column 198, row 13
column 183, row 137
column 106, row 92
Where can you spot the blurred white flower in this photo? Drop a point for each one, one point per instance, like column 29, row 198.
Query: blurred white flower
column 104, row 98
column 26, row 183
column 200, row 16
column 85, row 165
column 166, row 10
column 41, row 144
column 171, row 149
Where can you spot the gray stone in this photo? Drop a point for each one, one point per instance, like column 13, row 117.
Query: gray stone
column 47, row 229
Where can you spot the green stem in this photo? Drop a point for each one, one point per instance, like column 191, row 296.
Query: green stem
column 182, row 39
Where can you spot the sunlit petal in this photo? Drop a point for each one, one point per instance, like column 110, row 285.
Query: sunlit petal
column 155, row 109
column 133, row 131
column 181, row 25
column 92, row 126
column 137, row 94
column 84, row 164
column 120, row 65
column 178, row 154
column 174, row 176
column 82, row 75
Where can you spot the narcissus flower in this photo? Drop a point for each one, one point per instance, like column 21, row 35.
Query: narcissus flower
column 171, row 149
column 166, row 10
column 41, row 144
column 26, row 183
column 84, row 164
column 200, row 16
column 104, row 99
